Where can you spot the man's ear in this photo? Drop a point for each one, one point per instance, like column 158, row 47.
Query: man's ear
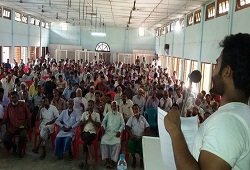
column 227, row 72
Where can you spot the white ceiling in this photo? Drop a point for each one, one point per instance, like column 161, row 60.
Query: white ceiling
column 114, row 13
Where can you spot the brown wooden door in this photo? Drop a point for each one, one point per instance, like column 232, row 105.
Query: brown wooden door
column 32, row 53
column 37, row 52
column 17, row 54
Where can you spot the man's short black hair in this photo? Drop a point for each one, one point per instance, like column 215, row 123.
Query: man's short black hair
column 91, row 101
column 1, row 91
column 236, row 54
column 175, row 105
column 13, row 93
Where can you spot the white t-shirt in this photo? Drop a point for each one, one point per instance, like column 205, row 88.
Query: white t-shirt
column 137, row 126
column 227, row 134
column 168, row 104
column 90, row 127
column 47, row 115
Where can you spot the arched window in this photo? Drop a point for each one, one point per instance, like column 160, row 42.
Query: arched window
column 102, row 46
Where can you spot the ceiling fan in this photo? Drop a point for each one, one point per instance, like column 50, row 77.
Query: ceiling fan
column 134, row 8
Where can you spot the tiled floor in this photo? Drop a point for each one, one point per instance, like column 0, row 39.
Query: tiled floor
column 31, row 161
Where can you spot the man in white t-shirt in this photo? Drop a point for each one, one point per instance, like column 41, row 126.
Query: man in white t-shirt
column 223, row 140
column 48, row 116
column 90, row 121
column 165, row 102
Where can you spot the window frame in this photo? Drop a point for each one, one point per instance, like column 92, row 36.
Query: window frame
column 191, row 15
column 207, row 8
column 102, row 50
column 32, row 18
column 218, row 9
column 157, row 32
column 7, row 9
column 19, row 13
column 194, row 20
column 172, row 26
column 203, row 64
column 185, row 73
column 239, row 7
column 182, row 24
column 1, row 11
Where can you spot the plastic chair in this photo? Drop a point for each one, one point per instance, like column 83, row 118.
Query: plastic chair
column 52, row 136
column 112, row 93
column 28, row 83
column 45, row 77
column 151, row 116
column 78, row 140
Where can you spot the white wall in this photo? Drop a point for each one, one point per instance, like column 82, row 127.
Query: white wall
column 211, row 32
column 23, row 34
column 5, row 32
column 120, row 40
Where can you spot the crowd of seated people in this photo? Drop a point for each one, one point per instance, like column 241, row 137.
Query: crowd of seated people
column 56, row 97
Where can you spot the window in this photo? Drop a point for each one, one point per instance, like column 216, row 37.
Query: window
column 160, row 31
column 32, row 20
column 0, row 12
column 178, row 69
column 241, row 4
column 168, row 62
column 205, row 76
column 176, row 66
column 213, row 69
column 7, row 13
column 168, row 28
column 37, row 22
column 187, row 67
column 43, row 24
column 194, row 66
column 18, row 16
column 47, row 25
column 141, row 32
column 197, row 16
column 24, row 54
column 102, row 46
column 157, row 32
column 17, row 54
column 190, row 19
column 24, row 19
column 32, row 53
column 210, row 11
column 171, row 27
column 222, row 7
column 182, row 23
column 163, row 30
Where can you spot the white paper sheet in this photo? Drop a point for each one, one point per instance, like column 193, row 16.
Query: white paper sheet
column 189, row 128
column 152, row 153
